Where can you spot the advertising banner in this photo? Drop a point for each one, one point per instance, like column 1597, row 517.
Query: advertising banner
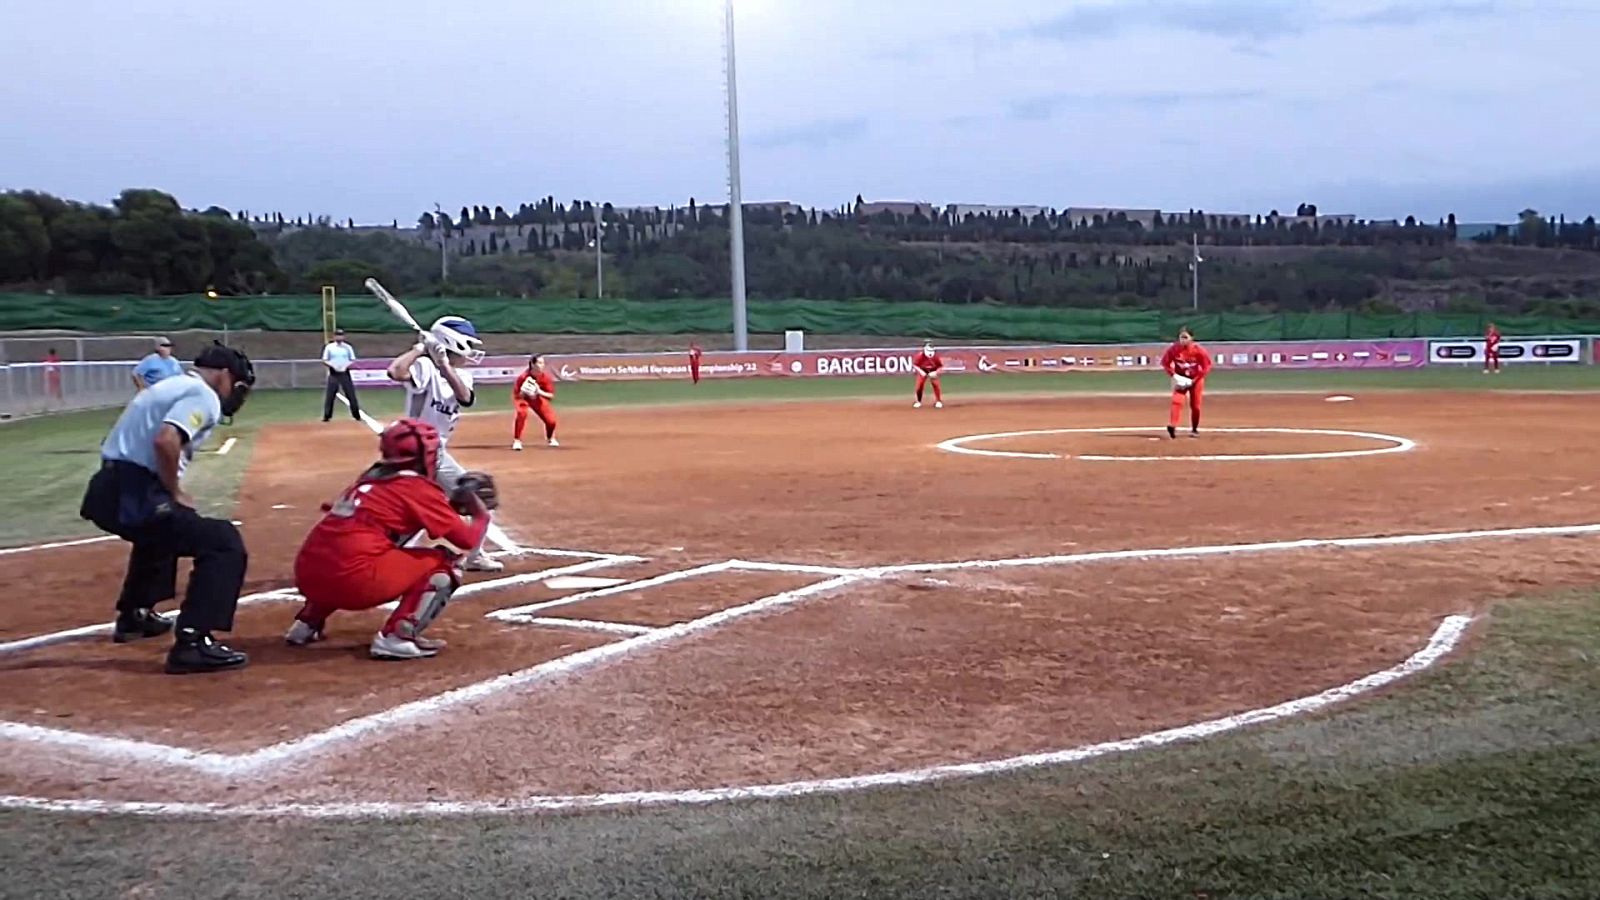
column 1387, row 354
column 1469, row 351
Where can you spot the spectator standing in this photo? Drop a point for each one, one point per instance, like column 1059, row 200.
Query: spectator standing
column 52, row 375
column 156, row 366
column 338, row 356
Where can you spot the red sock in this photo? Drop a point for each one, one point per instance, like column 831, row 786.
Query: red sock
column 522, row 422
column 1177, row 411
column 938, row 394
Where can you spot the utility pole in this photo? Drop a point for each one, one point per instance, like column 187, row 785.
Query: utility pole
column 741, row 336
column 1194, row 247
column 444, row 252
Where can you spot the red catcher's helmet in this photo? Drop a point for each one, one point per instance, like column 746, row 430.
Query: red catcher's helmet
column 410, row 444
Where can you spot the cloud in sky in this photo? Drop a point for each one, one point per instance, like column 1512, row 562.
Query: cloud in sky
column 812, row 134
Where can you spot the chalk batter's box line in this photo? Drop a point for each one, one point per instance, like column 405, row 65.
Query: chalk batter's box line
column 223, row 764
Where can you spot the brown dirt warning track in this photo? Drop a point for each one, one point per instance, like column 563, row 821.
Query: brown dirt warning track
column 753, row 641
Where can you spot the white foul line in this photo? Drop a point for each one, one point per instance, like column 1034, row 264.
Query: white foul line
column 522, row 613
column 227, row 446
column 55, row 544
column 1444, row 639
column 1396, row 445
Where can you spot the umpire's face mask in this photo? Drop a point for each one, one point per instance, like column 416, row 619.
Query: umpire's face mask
column 237, row 394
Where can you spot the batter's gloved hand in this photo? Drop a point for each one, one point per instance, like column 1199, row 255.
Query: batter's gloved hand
column 479, row 484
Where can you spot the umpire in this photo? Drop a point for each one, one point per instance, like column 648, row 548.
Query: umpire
column 137, row 496
column 338, row 356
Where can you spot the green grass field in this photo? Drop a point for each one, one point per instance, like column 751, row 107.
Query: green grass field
column 1480, row 778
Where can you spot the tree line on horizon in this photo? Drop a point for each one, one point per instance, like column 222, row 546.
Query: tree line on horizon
column 145, row 243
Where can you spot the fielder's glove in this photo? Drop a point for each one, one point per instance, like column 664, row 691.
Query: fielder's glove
column 1182, row 382
column 480, row 484
column 529, row 389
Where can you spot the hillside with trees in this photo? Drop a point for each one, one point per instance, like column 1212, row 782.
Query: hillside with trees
column 1269, row 262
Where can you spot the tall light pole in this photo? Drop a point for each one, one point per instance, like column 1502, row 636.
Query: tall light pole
column 444, row 255
column 1194, row 266
column 741, row 336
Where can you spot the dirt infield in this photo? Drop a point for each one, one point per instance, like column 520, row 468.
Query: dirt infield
column 756, row 637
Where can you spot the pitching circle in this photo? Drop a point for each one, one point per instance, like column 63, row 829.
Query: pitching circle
column 1395, row 444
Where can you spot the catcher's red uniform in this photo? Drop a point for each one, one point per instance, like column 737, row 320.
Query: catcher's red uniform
column 928, row 366
column 353, row 558
column 539, row 406
column 1191, row 361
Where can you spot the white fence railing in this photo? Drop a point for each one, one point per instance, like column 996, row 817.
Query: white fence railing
column 28, row 389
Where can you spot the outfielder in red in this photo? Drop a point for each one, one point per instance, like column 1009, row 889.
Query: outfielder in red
column 694, row 362
column 532, row 393
column 1188, row 364
column 369, row 547
column 1491, row 350
column 928, row 365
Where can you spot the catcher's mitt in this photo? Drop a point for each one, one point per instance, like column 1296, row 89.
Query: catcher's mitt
column 479, row 483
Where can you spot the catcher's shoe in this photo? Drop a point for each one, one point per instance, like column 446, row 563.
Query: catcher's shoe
column 431, row 645
column 516, row 445
column 484, row 564
column 197, row 651
column 302, row 633
column 395, row 646
column 138, row 625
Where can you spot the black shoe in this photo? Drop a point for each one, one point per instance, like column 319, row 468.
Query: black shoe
column 1172, row 432
column 199, row 652
column 329, row 419
column 1194, row 433
column 138, row 625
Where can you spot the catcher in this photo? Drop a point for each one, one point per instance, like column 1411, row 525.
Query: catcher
column 1187, row 363
column 393, row 535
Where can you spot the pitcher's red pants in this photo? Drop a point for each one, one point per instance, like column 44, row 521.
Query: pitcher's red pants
column 546, row 414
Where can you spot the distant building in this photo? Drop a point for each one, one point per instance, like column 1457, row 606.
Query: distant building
column 896, row 207
column 1080, row 214
column 959, row 211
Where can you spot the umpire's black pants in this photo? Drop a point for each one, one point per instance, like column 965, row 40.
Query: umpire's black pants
column 128, row 501
column 340, row 381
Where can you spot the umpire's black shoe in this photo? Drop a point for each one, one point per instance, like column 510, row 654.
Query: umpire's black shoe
column 196, row 651
column 138, row 625
column 1172, row 432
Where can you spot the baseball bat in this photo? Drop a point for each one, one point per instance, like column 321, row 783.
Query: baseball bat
column 395, row 306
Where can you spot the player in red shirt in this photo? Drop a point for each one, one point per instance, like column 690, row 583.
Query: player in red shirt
column 928, row 364
column 1491, row 350
column 392, row 535
column 532, row 393
column 1188, row 364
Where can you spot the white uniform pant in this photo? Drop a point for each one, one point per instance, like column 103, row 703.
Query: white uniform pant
column 448, row 473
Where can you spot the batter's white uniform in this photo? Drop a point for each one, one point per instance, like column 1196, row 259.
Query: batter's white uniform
column 430, row 399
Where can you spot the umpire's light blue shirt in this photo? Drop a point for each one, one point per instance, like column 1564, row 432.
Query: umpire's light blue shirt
column 155, row 368
column 186, row 402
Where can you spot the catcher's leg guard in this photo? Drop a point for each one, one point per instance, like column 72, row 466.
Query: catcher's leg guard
column 422, row 603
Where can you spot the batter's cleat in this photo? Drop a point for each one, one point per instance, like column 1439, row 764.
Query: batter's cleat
column 1172, row 432
column 302, row 633
column 394, row 646
column 197, row 652
column 516, row 445
column 554, row 443
column 917, row 405
column 484, row 564
column 138, row 625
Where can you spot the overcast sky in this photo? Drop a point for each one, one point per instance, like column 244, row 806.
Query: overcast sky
column 376, row 110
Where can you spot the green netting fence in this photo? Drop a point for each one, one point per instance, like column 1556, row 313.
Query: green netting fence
column 113, row 314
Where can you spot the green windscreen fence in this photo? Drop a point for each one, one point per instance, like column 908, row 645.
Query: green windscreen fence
column 112, row 314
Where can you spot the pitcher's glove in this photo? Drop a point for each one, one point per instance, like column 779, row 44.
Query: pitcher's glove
column 479, row 483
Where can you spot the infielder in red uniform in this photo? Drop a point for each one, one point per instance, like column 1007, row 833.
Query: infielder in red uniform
column 1491, row 350
column 928, row 365
column 1188, row 364
column 361, row 554
column 532, row 393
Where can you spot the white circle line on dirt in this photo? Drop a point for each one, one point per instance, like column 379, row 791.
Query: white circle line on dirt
column 1445, row 638
column 1395, row 444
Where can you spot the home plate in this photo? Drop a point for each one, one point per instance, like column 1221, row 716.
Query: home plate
column 580, row 583
column 1340, row 398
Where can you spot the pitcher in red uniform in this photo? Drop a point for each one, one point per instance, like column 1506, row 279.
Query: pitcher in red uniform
column 532, row 393
column 390, row 536
column 1187, row 363
column 928, row 365
column 1491, row 350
